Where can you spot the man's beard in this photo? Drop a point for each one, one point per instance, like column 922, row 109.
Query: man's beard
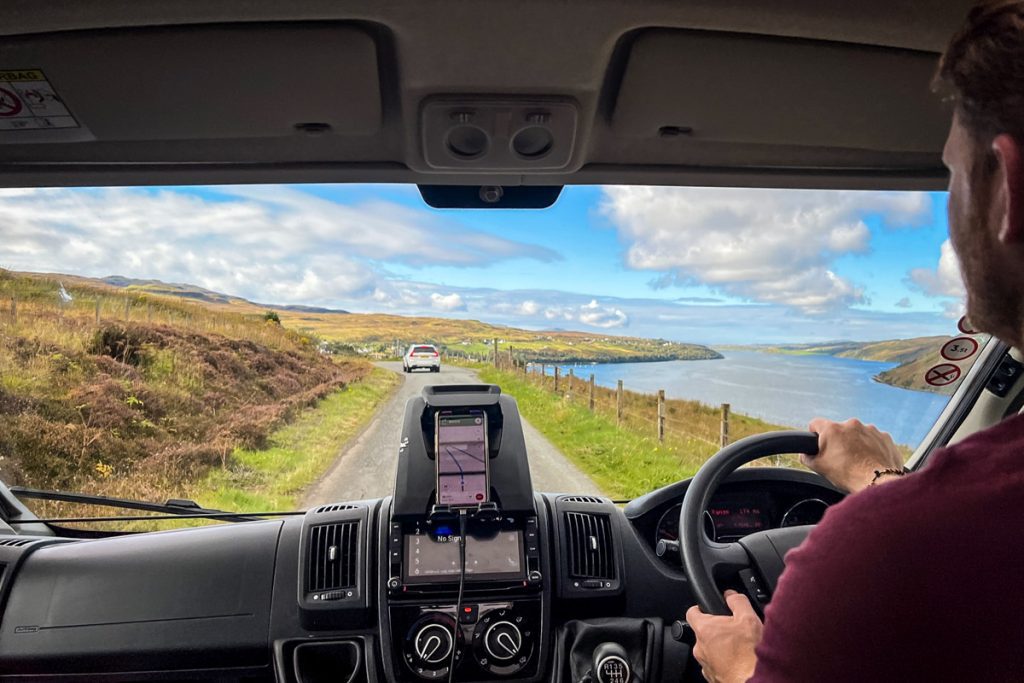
column 995, row 302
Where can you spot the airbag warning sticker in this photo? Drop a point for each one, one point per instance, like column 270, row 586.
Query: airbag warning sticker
column 28, row 101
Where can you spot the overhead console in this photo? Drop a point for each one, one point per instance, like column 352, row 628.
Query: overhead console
column 480, row 605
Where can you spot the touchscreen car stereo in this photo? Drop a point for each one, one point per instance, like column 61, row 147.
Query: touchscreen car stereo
column 431, row 557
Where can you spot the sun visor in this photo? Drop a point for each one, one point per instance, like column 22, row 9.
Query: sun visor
column 194, row 83
column 767, row 91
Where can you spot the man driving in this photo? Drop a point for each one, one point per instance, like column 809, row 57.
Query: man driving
column 915, row 578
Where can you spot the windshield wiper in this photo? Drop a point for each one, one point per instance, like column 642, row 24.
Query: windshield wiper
column 174, row 508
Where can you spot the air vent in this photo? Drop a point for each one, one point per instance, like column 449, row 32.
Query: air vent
column 333, row 508
column 591, row 553
column 333, row 556
column 15, row 542
column 582, row 499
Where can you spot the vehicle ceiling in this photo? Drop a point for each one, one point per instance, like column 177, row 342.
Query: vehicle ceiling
column 792, row 93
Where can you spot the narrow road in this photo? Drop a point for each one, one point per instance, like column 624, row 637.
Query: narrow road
column 366, row 465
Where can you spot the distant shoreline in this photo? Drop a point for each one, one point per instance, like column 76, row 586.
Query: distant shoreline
column 618, row 361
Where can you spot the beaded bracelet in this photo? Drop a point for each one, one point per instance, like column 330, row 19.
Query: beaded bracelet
column 880, row 473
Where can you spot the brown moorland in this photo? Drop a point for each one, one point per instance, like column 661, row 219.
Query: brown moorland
column 145, row 407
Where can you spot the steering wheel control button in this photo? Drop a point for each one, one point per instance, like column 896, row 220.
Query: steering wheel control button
column 753, row 586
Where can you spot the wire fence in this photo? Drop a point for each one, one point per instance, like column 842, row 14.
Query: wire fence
column 650, row 414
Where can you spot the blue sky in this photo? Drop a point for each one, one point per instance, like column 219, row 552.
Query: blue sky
column 690, row 264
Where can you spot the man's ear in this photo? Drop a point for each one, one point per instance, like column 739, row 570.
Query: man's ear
column 1011, row 168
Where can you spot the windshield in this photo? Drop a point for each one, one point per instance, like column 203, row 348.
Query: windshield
column 252, row 348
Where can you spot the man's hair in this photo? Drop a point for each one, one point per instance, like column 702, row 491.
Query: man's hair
column 982, row 70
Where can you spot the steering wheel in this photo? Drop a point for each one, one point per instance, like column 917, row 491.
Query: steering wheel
column 758, row 558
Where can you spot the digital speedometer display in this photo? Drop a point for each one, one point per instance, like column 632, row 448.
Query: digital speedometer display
column 728, row 518
column 732, row 520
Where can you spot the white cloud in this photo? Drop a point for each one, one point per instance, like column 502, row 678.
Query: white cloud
column 600, row 316
column 558, row 313
column 592, row 314
column 447, row 302
column 770, row 246
column 944, row 280
column 528, row 307
column 266, row 243
column 954, row 310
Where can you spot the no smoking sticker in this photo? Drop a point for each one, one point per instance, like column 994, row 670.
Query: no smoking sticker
column 959, row 348
column 942, row 375
column 964, row 325
column 29, row 102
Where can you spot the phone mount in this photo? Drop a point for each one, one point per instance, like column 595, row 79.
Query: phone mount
column 486, row 513
column 415, row 482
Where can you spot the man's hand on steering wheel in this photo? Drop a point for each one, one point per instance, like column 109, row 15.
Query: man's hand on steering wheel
column 849, row 453
column 725, row 645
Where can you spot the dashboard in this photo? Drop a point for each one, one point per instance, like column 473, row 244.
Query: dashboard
column 740, row 509
column 555, row 586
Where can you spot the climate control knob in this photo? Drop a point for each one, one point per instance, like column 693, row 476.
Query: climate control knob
column 503, row 640
column 433, row 644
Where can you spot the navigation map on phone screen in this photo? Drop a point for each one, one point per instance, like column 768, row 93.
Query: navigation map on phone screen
column 461, row 459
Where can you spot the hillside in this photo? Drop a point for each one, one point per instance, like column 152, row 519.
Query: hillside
column 141, row 395
column 910, row 374
column 199, row 294
column 914, row 356
column 378, row 333
column 888, row 351
column 474, row 338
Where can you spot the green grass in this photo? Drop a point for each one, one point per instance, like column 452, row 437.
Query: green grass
column 298, row 454
column 623, row 463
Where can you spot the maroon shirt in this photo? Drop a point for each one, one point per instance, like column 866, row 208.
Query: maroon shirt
column 920, row 579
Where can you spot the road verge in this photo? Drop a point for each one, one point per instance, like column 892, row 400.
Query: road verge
column 298, row 454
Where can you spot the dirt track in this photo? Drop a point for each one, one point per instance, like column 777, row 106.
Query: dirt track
column 366, row 465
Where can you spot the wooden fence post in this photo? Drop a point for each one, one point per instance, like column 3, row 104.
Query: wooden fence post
column 724, row 436
column 14, row 309
column 149, row 312
column 591, row 392
column 661, row 414
column 127, row 303
column 618, row 402
column 569, row 381
column 97, row 311
column 495, row 352
column 556, row 379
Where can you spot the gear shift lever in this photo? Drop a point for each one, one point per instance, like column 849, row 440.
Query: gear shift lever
column 611, row 664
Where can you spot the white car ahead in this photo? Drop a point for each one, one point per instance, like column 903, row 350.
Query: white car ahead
column 421, row 356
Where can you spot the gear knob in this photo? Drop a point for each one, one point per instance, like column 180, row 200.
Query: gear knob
column 611, row 664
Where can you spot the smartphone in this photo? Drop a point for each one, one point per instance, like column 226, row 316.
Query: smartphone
column 460, row 443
